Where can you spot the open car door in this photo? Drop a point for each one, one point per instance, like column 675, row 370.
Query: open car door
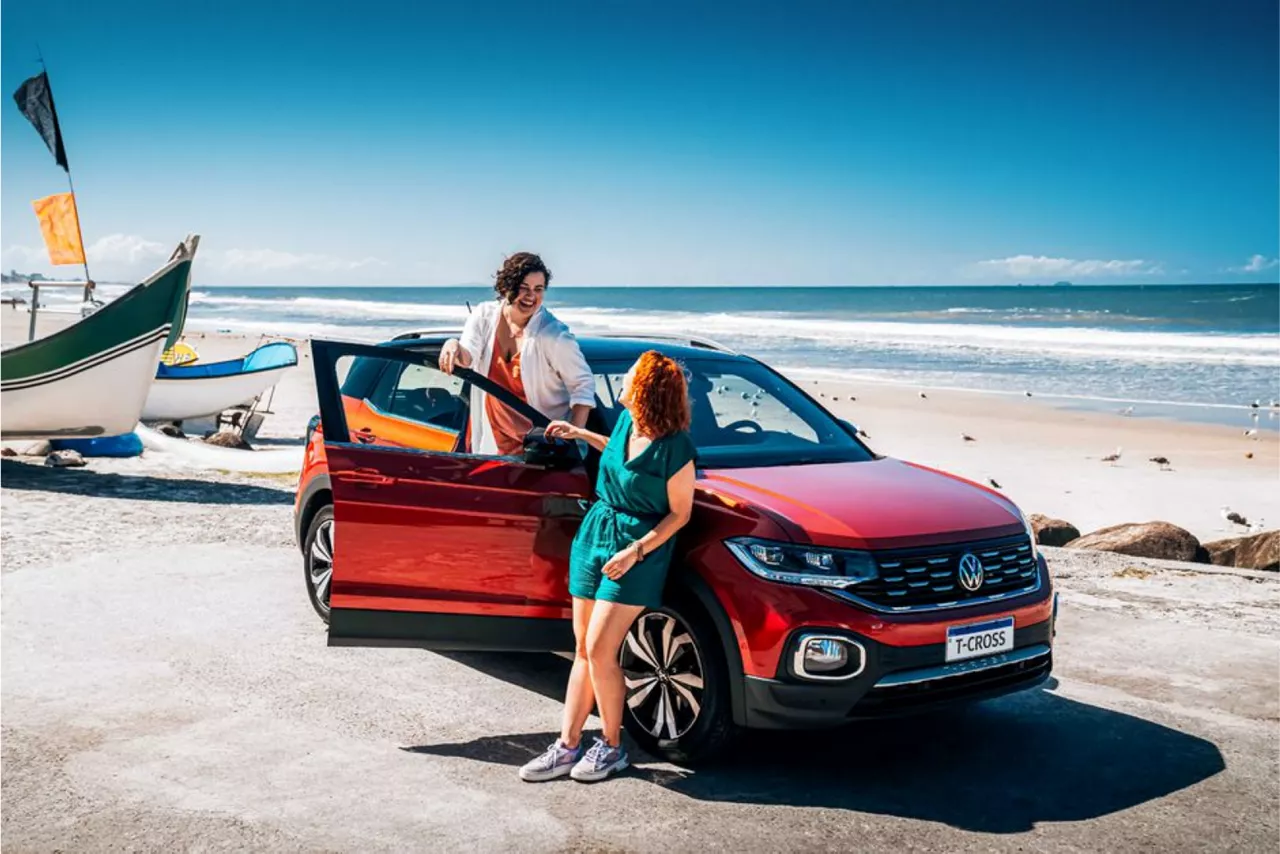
column 445, row 549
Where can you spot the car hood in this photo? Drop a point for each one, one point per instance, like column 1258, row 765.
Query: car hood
column 883, row 503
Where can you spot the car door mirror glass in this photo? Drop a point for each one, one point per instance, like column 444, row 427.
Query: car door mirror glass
column 543, row 452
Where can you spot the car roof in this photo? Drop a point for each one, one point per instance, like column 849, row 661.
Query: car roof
column 605, row 348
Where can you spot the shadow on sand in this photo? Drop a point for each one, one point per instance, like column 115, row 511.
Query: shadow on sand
column 996, row 767
column 95, row 484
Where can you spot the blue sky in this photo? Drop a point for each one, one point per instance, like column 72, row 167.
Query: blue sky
column 656, row 143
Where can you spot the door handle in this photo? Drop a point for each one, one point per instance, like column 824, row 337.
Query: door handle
column 365, row 477
column 365, row 436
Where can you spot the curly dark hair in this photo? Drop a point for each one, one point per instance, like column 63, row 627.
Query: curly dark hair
column 507, row 280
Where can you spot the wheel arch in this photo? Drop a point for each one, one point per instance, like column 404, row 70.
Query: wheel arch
column 690, row 586
column 317, row 493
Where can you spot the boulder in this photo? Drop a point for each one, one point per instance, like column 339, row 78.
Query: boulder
column 64, row 459
column 6, row 451
column 1256, row 551
column 1223, row 552
column 171, row 430
column 228, row 439
column 1052, row 532
column 1158, row 540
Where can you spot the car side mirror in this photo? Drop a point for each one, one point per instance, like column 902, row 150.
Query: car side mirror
column 541, row 452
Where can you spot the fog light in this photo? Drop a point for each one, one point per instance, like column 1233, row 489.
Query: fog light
column 828, row 657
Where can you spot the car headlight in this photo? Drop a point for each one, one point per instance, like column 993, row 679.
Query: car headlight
column 1031, row 534
column 810, row 566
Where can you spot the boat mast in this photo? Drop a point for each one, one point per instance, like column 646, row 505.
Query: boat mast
column 84, row 253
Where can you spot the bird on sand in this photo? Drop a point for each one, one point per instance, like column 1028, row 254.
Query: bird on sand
column 1027, row 393
column 967, row 437
column 1255, row 404
column 1248, row 455
column 1233, row 517
column 1113, row 458
column 863, row 433
column 1127, row 411
column 924, row 396
column 992, row 481
column 1163, row 462
column 1251, row 434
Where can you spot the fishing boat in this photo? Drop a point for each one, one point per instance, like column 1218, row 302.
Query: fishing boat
column 195, row 390
column 92, row 378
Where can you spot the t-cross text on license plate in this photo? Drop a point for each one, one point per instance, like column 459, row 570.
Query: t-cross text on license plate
column 977, row 639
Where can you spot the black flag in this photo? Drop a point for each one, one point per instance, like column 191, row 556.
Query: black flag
column 35, row 100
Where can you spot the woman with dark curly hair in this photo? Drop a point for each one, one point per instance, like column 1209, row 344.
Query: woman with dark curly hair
column 520, row 345
column 621, row 555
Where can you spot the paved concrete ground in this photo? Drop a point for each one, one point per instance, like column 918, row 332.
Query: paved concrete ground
column 173, row 691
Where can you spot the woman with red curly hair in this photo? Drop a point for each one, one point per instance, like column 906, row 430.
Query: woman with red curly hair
column 621, row 555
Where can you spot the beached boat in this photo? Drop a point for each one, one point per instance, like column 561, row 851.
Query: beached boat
column 92, row 378
column 196, row 390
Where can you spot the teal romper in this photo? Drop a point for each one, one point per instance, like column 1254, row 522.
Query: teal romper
column 631, row 501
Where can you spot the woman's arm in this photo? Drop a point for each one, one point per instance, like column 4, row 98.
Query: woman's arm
column 680, row 497
column 565, row 430
column 464, row 353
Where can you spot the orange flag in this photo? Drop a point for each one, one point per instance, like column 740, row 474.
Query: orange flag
column 61, row 227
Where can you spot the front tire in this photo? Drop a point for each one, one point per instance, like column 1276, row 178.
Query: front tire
column 317, row 560
column 677, row 685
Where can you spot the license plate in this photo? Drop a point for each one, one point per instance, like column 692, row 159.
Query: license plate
column 978, row 639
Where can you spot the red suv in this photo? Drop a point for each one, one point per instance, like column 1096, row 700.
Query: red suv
column 817, row 582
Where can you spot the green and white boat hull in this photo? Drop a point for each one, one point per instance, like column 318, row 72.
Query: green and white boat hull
column 92, row 378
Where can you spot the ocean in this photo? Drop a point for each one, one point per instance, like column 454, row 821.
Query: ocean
column 1202, row 353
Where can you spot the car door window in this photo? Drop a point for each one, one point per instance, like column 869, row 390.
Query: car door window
column 421, row 394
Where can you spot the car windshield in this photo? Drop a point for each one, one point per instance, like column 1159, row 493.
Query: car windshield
column 746, row 415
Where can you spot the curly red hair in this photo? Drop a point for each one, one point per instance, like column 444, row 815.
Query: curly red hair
column 659, row 400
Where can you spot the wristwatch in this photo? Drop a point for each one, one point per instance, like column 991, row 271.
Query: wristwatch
column 639, row 547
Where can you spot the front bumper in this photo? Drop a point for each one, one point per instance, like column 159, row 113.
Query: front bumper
column 897, row 680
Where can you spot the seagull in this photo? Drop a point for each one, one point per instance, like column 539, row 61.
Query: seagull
column 863, row 433
column 1113, row 458
column 1234, row 517
column 1163, row 462
column 992, row 481
column 1028, row 394
column 835, row 397
column 924, row 396
column 1248, row 455
column 967, row 437
column 1252, row 434
column 1255, row 404
column 1127, row 411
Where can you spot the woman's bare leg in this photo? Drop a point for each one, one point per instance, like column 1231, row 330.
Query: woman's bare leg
column 608, row 627
column 578, row 697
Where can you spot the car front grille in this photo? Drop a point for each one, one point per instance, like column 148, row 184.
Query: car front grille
column 898, row 698
column 928, row 579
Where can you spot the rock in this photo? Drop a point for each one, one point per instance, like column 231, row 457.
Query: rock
column 1223, row 552
column 1052, row 532
column 1257, row 551
column 171, row 430
column 6, row 451
column 64, row 459
column 1158, row 540
column 228, row 439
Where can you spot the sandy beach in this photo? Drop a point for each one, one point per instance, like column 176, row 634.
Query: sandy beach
column 1046, row 458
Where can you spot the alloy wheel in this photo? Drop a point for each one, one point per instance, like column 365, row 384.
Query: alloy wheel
column 664, row 675
column 320, row 562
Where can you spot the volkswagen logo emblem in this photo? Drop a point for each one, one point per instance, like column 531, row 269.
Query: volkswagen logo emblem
column 970, row 572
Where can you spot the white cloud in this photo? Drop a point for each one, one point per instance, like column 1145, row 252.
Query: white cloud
column 130, row 258
column 1257, row 264
column 1035, row 266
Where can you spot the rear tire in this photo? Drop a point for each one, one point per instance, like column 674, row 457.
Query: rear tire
column 317, row 560
column 677, row 696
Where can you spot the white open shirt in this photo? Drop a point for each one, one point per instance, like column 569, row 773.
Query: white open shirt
column 555, row 374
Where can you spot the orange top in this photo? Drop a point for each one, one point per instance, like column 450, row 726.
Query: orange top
column 509, row 427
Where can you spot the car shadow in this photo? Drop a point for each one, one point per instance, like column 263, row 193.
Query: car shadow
column 96, row 484
column 1002, row 766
